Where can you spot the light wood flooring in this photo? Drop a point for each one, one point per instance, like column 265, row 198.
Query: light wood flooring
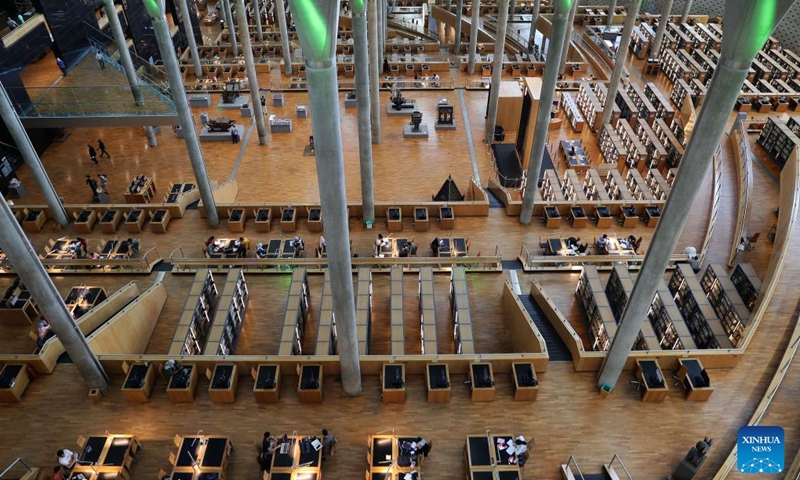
column 568, row 418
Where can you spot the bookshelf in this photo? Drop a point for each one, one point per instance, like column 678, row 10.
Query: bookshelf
column 294, row 320
column 635, row 149
column 618, row 289
column 601, row 319
column 628, row 109
column 601, row 91
column 680, row 90
column 327, row 342
column 230, row 314
column 705, row 327
column 747, row 284
column 778, row 139
column 617, row 188
column 427, row 312
column 462, row 315
column 594, row 187
column 658, row 184
column 364, row 309
column 667, row 322
column 572, row 188
column 570, row 108
column 671, row 144
column 551, row 187
column 728, row 305
column 647, row 110
column 656, row 152
column 638, row 186
column 590, row 106
column 397, row 312
column 193, row 325
column 664, row 109
column 611, row 146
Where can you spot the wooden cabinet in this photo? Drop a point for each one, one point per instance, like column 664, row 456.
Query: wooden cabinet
column 134, row 221
column 237, row 218
column 309, row 385
column 394, row 219
column 421, row 220
column 526, row 385
column 110, row 221
column 183, row 385
column 267, row 387
column 139, row 382
column 263, row 219
column 393, row 383
column 224, row 380
column 13, row 382
column 85, row 220
column 438, row 380
column 447, row 218
column 288, row 220
column 481, row 380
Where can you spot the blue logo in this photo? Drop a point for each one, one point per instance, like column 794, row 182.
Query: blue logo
column 760, row 450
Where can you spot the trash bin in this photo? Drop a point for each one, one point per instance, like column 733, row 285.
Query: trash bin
column 499, row 133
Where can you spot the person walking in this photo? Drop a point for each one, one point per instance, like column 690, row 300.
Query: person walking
column 102, row 147
column 62, row 66
column 93, row 155
column 103, row 183
column 99, row 57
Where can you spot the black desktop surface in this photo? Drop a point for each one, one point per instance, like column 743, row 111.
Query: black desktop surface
column 694, row 371
column 182, row 476
column 508, row 475
column 108, row 476
column 525, row 377
column 447, row 212
column 116, row 452
column 284, row 460
column 215, row 452
column 236, row 215
column 650, row 374
column 281, row 476
column 263, row 215
column 314, row 214
column 187, row 454
column 375, row 476
column 438, row 377
column 109, row 247
column 172, row 198
column 481, row 376
column 393, row 376
column 554, row 245
column 136, row 376
column 603, row 212
column 551, row 212
column 653, row 211
column 460, row 246
column 479, row 451
column 176, row 188
column 32, row 216
column 223, row 375
column 9, row 375
column 578, row 212
column 159, row 216
column 502, row 454
column 288, row 215
column 93, row 448
column 394, row 214
column 133, row 216
column 83, row 216
column 266, row 377
column 381, row 452
column 482, row 476
column 109, row 216
column 274, row 247
column 181, row 379
column 310, row 379
column 311, row 456
column 420, row 214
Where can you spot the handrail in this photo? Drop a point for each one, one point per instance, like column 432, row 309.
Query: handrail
column 176, row 249
column 576, row 262
column 716, row 190
column 616, row 457
column 13, row 464
column 744, row 174
column 573, row 460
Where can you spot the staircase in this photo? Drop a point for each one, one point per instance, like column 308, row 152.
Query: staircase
column 556, row 347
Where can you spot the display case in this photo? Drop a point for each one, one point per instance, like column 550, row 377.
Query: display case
column 183, row 384
column 394, row 219
column 437, row 377
column 526, row 385
column 288, row 220
column 14, row 380
column 309, row 386
column 393, row 383
column 421, row 220
column 139, row 381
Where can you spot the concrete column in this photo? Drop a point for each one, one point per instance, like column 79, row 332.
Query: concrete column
column 570, row 26
column 226, row 7
column 252, row 76
column 473, row 35
column 746, row 30
column 320, row 58
column 287, row 54
column 619, row 63
column 611, row 6
column 29, row 268
column 31, row 158
column 662, row 27
column 167, row 50
column 511, row 5
column 534, row 18
column 383, row 18
column 497, row 68
column 459, row 14
column 376, row 66
column 150, row 133
column 363, row 100
column 559, row 42
column 187, row 25
column 257, row 14
column 686, row 8
column 124, row 54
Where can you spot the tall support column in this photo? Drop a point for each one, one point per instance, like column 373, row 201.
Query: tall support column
column 459, row 14
column 363, row 100
column 257, row 14
column 748, row 24
column 287, row 54
column 317, row 22
column 511, row 6
column 558, row 42
column 568, row 35
column 31, row 158
column 686, row 8
column 473, row 35
column 124, row 54
column 497, row 68
column 662, row 27
column 612, row 5
column 187, row 25
column 619, row 62
column 375, row 66
column 383, row 16
column 534, row 18
column 226, row 6
column 150, row 133
column 34, row 276
column 252, row 76
column 167, row 50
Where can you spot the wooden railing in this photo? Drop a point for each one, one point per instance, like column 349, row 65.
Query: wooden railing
column 575, row 263
column 143, row 264
column 743, row 154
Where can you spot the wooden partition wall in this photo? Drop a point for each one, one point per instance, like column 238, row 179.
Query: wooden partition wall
column 129, row 331
column 743, row 155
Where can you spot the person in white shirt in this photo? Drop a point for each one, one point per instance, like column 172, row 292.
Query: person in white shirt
column 67, row 458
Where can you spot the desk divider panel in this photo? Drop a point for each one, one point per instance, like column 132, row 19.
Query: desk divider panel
column 294, row 322
column 231, row 309
column 397, row 315
column 326, row 335
column 427, row 311
column 194, row 324
column 462, row 316
column 364, row 309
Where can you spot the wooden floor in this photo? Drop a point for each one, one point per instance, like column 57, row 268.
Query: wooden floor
column 568, row 418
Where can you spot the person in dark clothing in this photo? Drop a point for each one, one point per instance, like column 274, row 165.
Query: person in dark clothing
column 268, row 447
column 102, row 147
column 93, row 155
column 62, row 66
column 385, row 65
column 92, row 185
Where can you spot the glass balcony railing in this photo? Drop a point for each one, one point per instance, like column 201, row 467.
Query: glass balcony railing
column 87, row 101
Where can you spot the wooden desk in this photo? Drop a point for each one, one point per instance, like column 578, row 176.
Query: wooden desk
column 201, row 454
column 393, row 383
column 110, row 456
column 183, row 385
column 81, row 299
column 134, row 221
column 294, row 464
column 267, row 387
column 578, row 216
column 483, row 456
column 85, row 220
column 140, row 191
column 651, row 216
column 24, row 310
column 447, row 218
column 224, row 380
column 526, row 386
column 263, row 218
column 288, row 220
column 237, row 218
column 139, row 383
column 110, row 221
column 315, row 220
column 13, row 382
column 394, row 219
column 34, row 221
column 695, row 380
column 159, row 220
column 309, row 385
column 604, row 218
column 653, row 384
column 438, row 380
column 481, row 380
column 384, row 454
column 627, row 220
column 421, row 220
column 552, row 217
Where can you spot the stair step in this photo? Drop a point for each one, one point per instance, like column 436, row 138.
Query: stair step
column 556, row 347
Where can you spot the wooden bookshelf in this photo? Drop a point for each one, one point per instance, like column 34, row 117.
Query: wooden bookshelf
column 427, row 312
column 397, row 313
column 462, row 315
column 294, row 320
column 326, row 332
column 195, row 321
column 229, row 317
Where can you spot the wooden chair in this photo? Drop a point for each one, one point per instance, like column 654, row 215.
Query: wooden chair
column 177, row 441
column 81, row 439
column 637, row 244
column 173, row 458
column 161, row 474
column 751, row 241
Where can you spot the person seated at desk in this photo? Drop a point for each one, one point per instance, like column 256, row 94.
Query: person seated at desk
column 268, row 447
column 602, row 244
column 435, row 244
column 44, row 331
column 261, row 251
column 57, row 473
column 404, row 250
column 171, row 367
column 210, row 240
column 134, row 245
column 423, row 447
column 67, row 459
column 380, row 242
column 210, row 250
column 244, row 246
column 412, row 248
column 78, row 312
column 297, row 244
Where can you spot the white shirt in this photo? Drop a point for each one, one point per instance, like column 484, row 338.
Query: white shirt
column 68, row 459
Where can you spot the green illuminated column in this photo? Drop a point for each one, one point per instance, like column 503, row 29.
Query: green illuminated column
column 187, row 26
column 662, row 27
column 287, row 54
column 459, row 14
column 317, row 22
column 226, row 9
column 363, row 100
column 375, row 65
column 748, row 24
column 619, row 62
column 557, row 43
column 687, row 7
column 534, row 18
column 568, row 35
column 155, row 8
column 252, row 76
column 497, row 68
column 473, row 35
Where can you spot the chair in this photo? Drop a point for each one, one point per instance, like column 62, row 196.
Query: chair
column 173, row 458
column 161, row 474
column 177, row 441
column 751, row 241
column 81, row 439
column 639, row 385
column 638, row 244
